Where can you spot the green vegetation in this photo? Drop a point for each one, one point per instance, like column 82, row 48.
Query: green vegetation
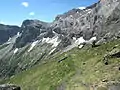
column 46, row 76
column 81, row 70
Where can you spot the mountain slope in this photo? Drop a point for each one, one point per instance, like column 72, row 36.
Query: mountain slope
column 83, row 69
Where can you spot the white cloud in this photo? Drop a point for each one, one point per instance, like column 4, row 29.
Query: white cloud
column 81, row 8
column 31, row 13
column 25, row 4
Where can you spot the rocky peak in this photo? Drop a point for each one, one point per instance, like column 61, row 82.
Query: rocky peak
column 30, row 23
column 31, row 29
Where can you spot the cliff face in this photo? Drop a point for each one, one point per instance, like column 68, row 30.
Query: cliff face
column 95, row 20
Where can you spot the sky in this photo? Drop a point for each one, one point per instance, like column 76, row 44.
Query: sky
column 13, row 12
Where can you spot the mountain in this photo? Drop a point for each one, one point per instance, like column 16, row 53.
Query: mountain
column 31, row 29
column 7, row 32
column 79, row 50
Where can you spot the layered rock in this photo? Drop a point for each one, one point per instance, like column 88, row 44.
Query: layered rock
column 99, row 19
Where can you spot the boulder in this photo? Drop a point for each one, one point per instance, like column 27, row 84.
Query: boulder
column 9, row 87
column 115, row 53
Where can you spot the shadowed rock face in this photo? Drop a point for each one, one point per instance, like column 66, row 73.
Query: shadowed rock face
column 7, row 32
column 31, row 29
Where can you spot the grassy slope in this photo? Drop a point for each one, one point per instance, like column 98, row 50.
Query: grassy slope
column 80, row 71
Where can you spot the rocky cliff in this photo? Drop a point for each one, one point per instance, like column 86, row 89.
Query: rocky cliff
column 100, row 20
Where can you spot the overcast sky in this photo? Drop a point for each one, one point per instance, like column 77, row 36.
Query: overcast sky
column 15, row 11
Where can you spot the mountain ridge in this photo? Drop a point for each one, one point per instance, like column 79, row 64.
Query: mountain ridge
column 93, row 31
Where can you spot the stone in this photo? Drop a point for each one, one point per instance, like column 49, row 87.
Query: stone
column 115, row 53
column 62, row 59
column 9, row 87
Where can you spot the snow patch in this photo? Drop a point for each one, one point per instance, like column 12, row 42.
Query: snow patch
column 53, row 41
column 93, row 39
column 16, row 50
column 54, row 32
column 89, row 11
column 45, row 39
column 74, row 38
column 33, row 45
column 71, row 16
column 52, row 51
column 81, row 46
column 18, row 34
column 9, row 39
column 80, row 40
